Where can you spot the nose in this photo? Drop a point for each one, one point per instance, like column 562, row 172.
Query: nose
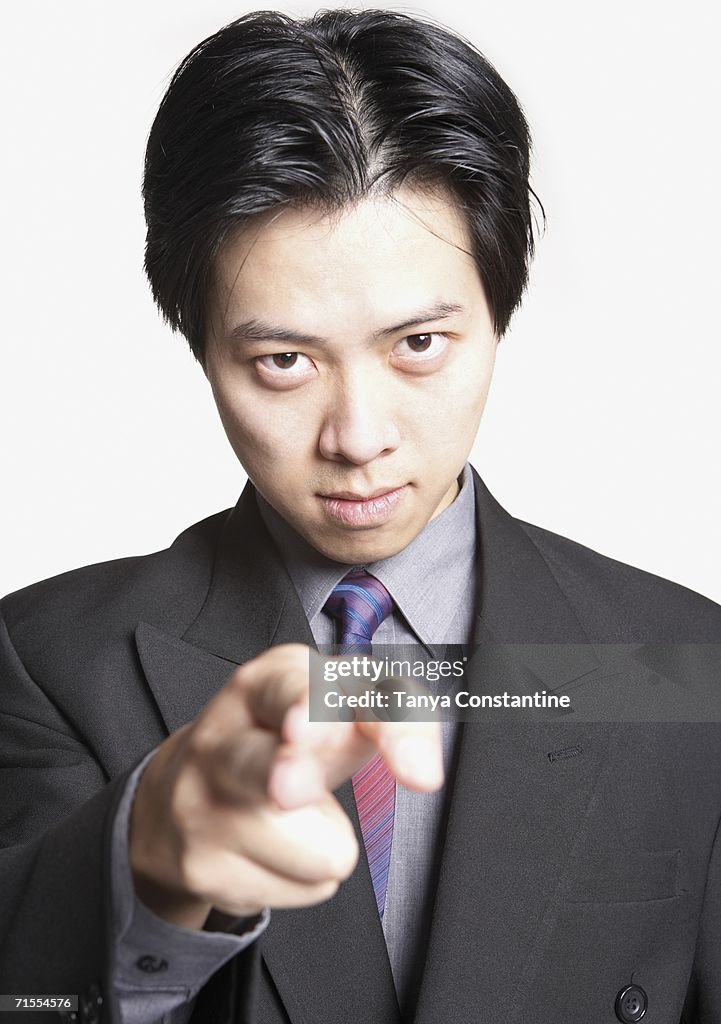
column 360, row 423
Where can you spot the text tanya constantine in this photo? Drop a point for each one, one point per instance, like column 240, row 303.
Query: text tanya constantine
column 462, row 699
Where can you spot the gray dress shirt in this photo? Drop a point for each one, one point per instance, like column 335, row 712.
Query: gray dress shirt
column 432, row 583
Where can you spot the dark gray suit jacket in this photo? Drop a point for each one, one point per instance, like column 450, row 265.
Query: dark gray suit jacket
column 563, row 880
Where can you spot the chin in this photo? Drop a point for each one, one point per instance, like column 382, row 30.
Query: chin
column 362, row 548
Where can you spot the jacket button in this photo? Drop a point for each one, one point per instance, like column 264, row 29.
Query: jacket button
column 631, row 1004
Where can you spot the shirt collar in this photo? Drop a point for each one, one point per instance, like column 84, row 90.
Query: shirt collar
column 423, row 579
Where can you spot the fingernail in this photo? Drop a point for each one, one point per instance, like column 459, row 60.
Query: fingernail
column 296, row 722
column 299, row 728
column 296, row 782
column 419, row 759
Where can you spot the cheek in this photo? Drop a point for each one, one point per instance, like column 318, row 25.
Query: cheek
column 262, row 432
column 459, row 396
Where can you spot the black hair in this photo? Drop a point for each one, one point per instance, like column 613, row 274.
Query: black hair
column 272, row 111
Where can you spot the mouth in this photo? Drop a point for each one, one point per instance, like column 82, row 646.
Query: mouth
column 353, row 509
column 353, row 496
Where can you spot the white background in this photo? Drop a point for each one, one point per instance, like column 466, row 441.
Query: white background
column 603, row 422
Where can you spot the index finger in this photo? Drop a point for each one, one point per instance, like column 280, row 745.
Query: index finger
column 275, row 686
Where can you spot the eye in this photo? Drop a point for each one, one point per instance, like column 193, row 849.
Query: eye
column 284, row 369
column 421, row 348
column 285, row 360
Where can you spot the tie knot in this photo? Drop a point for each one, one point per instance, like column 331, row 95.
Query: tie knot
column 360, row 602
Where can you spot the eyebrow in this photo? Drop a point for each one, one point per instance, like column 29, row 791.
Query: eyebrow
column 255, row 329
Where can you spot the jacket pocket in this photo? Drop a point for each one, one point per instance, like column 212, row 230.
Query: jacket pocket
column 623, row 876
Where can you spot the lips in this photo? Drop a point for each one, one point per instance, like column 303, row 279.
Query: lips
column 356, row 496
column 353, row 509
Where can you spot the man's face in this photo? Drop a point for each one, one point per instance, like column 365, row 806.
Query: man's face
column 350, row 358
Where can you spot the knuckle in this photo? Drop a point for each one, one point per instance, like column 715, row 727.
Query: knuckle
column 325, row 891
column 203, row 738
column 346, row 860
column 339, row 857
column 238, row 681
column 293, row 661
column 187, row 806
column 193, row 875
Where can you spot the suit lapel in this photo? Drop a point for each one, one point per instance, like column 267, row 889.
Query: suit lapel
column 183, row 678
column 514, row 810
column 250, row 605
column 321, row 958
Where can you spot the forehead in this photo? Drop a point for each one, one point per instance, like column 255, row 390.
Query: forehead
column 363, row 259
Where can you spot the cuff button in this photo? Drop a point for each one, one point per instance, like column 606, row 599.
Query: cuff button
column 151, row 964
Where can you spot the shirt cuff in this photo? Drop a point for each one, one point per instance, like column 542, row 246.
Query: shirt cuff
column 158, row 965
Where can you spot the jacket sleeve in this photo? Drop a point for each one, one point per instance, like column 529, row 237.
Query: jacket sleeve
column 703, row 1000
column 56, row 808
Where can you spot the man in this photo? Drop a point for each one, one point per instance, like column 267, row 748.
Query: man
column 339, row 223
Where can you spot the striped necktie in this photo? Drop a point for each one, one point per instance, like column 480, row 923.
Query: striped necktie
column 360, row 602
